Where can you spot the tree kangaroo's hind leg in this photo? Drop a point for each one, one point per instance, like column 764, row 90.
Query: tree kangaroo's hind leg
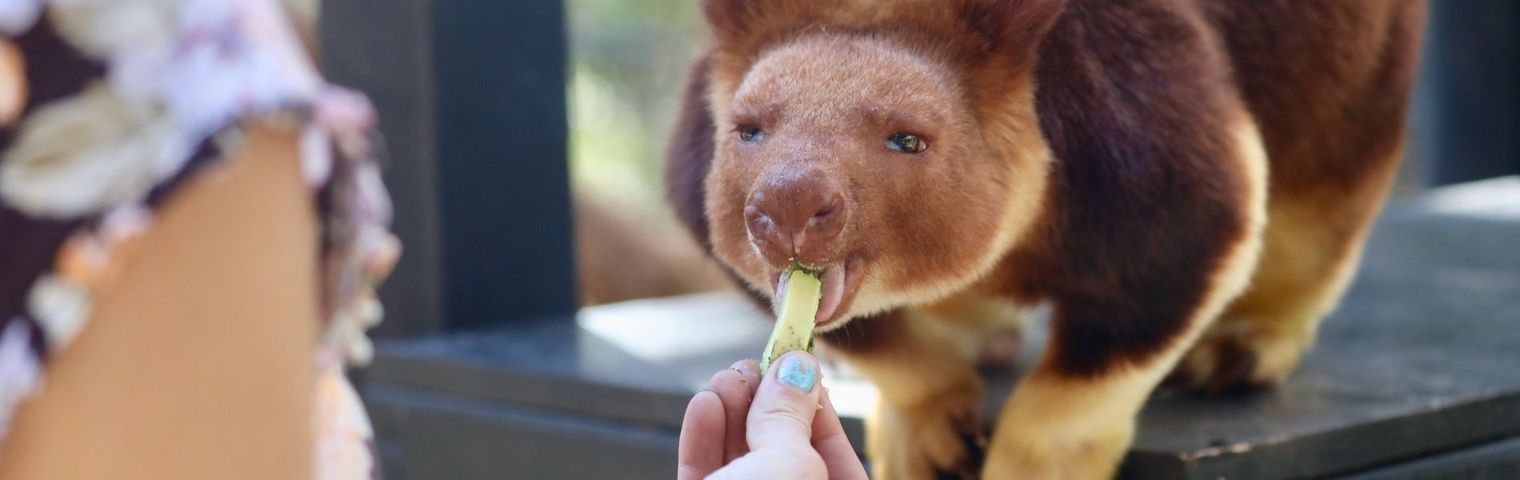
column 1334, row 159
column 1335, row 135
column 1313, row 246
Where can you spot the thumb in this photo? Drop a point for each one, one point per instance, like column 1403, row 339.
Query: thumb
column 784, row 406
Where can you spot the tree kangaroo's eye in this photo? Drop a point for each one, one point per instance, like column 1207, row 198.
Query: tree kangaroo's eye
column 907, row 143
column 750, row 134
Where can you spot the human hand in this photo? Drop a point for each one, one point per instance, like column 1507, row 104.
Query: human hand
column 744, row 428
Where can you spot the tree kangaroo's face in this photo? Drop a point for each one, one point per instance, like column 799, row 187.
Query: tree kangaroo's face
column 863, row 158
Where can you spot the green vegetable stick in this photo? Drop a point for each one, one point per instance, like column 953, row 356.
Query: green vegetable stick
column 794, row 323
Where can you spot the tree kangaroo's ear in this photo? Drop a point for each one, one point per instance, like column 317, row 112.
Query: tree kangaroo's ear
column 740, row 26
column 1008, row 33
column 727, row 18
column 1006, row 30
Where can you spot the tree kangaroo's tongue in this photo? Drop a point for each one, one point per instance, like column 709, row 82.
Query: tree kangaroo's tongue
column 833, row 292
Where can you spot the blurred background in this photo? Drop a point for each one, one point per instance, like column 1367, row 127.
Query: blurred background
column 628, row 62
column 527, row 141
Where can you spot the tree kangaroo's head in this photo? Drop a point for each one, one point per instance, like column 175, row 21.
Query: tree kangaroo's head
column 892, row 145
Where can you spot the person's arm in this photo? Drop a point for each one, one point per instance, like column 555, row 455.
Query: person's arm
column 197, row 362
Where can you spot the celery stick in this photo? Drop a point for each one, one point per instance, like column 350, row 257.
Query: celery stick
column 794, row 322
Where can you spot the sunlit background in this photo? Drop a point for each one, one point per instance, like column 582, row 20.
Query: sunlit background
column 629, row 59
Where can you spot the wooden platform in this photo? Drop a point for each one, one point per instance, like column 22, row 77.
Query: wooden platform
column 1417, row 376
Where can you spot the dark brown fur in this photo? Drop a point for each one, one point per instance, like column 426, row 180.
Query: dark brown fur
column 1141, row 205
column 1327, row 81
column 690, row 155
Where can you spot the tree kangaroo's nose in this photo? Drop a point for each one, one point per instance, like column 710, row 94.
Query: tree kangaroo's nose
column 795, row 215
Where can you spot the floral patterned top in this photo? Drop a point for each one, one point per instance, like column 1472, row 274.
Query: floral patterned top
column 106, row 107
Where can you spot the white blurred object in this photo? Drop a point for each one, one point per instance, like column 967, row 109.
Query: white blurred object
column 1491, row 199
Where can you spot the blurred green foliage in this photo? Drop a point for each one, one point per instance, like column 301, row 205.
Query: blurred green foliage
column 629, row 59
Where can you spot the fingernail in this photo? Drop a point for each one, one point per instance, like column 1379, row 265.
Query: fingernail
column 797, row 372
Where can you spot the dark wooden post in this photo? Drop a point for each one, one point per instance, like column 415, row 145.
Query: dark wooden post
column 1470, row 89
column 471, row 95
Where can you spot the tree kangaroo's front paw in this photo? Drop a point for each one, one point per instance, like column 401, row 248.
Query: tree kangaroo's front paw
column 934, row 439
column 1240, row 360
column 1028, row 454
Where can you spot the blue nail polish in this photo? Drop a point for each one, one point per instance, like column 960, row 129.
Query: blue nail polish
column 797, row 373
